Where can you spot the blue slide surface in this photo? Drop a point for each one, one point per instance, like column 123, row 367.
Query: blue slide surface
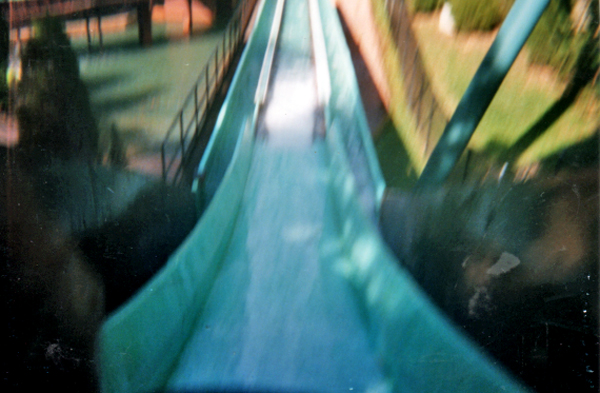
column 285, row 283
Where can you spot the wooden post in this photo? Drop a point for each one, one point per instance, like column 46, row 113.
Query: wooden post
column 190, row 20
column 87, row 31
column 224, row 9
column 144, row 14
column 100, row 31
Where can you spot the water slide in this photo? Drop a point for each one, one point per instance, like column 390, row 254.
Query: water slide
column 285, row 285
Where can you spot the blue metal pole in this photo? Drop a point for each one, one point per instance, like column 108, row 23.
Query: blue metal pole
column 515, row 30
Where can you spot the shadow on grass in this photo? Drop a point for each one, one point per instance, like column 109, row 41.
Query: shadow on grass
column 544, row 122
column 123, row 102
column 582, row 155
column 475, row 166
column 104, row 81
column 138, row 139
column 393, row 159
column 121, row 41
column 585, row 72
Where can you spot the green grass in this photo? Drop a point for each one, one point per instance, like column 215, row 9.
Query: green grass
column 140, row 90
column 393, row 159
column 399, row 112
column 523, row 98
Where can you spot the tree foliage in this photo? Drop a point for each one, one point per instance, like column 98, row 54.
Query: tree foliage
column 554, row 42
column 473, row 15
column 425, row 5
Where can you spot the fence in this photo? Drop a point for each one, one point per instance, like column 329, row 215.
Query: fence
column 430, row 119
column 180, row 141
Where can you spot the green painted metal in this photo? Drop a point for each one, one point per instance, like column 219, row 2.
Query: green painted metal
column 345, row 111
column 231, row 118
column 265, row 72
column 515, row 30
column 140, row 344
column 419, row 349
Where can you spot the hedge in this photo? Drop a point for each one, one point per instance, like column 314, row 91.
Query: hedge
column 553, row 41
column 425, row 5
column 52, row 104
column 471, row 15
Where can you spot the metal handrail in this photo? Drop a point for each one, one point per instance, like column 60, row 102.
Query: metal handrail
column 265, row 72
column 192, row 116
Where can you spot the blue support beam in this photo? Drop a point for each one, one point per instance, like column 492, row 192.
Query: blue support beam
column 515, row 30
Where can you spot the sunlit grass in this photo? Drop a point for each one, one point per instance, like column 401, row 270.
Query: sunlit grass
column 393, row 159
column 399, row 111
column 525, row 95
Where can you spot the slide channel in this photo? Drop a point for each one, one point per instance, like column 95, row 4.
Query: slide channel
column 280, row 316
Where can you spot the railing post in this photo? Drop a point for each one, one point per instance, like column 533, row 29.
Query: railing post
column 207, row 87
column 412, row 82
column 144, row 18
column 87, row 31
column 231, row 41
column 181, row 138
column 240, row 27
column 223, row 52
column 238, row 35
column 230, row 37
column 196, row 109
column 100, row 40
column 217, row 64
column 420, row 99
column 163, row 159
column 430, row 125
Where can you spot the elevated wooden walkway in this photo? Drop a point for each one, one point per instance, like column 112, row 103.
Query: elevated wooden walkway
column 21, row 13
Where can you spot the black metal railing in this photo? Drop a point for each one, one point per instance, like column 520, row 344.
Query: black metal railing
column 429, row 117
column 189, row 122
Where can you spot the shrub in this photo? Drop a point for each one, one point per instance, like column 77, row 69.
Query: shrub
column 52, row 105
column 425, row 5
column 50, row 49
column 553, row 41
column 471, row 15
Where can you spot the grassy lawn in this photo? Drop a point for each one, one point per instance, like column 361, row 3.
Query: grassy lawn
column 394, row 160
column 402, row 121
column 140, row 90
column 525, row 95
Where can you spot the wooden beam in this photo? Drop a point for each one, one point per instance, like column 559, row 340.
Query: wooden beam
column 144, row 17
column 100, row 31
column 24, row 11
column 87, row 31
column 191, row 20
